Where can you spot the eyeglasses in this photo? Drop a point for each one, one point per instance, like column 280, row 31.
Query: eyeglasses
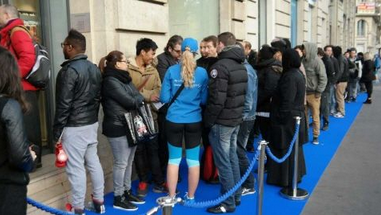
column 64, row 44
column 177, row 51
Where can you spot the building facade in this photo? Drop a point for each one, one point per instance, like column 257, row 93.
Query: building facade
column 368, row 26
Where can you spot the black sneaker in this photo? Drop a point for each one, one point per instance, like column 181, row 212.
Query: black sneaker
column 132, row 198
column 219, row 209
column 162, row 188
column 247, row 191
column 121, row 203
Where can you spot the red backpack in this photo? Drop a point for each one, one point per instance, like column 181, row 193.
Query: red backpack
column 209, row 172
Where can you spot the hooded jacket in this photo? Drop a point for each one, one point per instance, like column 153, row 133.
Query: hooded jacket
column 315, row 70
column 21, row 46
column 227, row 89
column 269, row 72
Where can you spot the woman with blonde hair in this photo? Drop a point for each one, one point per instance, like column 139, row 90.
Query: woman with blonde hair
column 184, row 119
column 368, row 76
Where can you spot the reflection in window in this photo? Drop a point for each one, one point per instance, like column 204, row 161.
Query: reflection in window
column 194, row 18
column 361, row 28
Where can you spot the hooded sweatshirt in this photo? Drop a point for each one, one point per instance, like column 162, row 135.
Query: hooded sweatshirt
column 315, row 70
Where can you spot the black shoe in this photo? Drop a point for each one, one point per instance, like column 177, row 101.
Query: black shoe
column 219, row 209
column 121, row 203
column 132, row 198
column 98, row 206
column 162, row 188
column 353, row 99
column 237, row 203
column 325, row 127
column 247, row 191
column 78, row 211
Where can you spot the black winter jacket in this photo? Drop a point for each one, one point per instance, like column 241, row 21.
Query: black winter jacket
column 164, row 61
column 15, row 158
column 78, row 90
column 269, row 73
column 344, row 69
column 330, row 70
column 336, row 68
column 118, row 97
column 206, row 62
column 227, row 89
column 368, row 71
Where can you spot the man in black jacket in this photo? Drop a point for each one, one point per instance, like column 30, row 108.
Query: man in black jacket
column 170, row 56
column 223, row 114
column 76, row 121
column 326, row 96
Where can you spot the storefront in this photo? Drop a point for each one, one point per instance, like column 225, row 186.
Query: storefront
column 47, row 22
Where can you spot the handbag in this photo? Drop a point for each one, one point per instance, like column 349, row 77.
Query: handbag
column 165, row 107
column 140, row 125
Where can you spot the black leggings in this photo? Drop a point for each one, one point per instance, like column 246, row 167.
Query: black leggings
column 190, row 131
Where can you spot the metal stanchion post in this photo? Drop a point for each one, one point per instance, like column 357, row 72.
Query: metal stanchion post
column 261, row 172
column 166, row 203
column 295, row 193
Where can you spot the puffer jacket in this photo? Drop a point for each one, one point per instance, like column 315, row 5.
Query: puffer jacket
column 315, row 70
column 21, row 46
column 118, row 97
column 269, row 73
column 78, row 90
column 15, row 158
column 227, row 89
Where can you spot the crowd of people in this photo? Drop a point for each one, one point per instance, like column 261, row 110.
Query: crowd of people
column 223, row 99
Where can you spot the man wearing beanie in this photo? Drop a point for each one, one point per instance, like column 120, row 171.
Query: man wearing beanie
column 316, row 83
column 223, row 114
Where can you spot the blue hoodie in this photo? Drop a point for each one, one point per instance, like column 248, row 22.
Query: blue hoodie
column 251, row 94
column 186, row 108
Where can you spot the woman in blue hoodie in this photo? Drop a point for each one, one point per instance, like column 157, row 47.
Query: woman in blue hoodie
column 184, row 117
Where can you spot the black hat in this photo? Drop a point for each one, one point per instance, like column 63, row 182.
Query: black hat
column 266, row 52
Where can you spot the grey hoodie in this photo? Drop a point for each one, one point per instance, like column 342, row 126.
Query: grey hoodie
column 315, row 70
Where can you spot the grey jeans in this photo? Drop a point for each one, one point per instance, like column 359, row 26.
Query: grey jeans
column 122, row 168
column 80, row 145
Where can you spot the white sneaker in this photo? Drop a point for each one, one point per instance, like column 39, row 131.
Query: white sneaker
column 338, row 115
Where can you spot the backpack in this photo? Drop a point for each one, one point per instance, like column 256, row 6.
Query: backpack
column 39, row 75
column 208, row 169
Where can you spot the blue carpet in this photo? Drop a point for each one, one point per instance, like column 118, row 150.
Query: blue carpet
column 317, row 159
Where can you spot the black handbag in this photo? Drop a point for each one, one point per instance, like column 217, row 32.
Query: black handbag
column 165, row 107
column 140, row 125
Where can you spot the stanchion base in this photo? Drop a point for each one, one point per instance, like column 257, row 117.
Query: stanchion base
column 288, row 193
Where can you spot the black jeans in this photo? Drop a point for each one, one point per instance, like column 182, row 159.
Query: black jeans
column 243, row 135
column 163, row 147
column 32, row 122
column 146, row 160
column 253, row 133
column 13, row 199
column 325, row 104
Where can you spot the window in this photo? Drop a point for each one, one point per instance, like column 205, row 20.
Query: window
column 361, row 25
column 196, row 18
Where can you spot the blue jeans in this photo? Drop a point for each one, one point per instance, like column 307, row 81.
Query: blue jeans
column 243, row 136
column 223, row 140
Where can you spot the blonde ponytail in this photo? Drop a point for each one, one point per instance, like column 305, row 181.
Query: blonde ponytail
column 188, row 67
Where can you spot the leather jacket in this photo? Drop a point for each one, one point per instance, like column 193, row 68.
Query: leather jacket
column 78, row 90
column 15, row 158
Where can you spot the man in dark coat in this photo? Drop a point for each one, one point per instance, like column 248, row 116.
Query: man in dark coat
column 287, row 103
column 223, row 114
column 326, row 96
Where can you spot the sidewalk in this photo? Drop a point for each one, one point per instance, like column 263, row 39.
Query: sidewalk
column 351, row 183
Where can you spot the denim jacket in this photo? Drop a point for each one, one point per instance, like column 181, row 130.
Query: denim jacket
column 251, row 94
